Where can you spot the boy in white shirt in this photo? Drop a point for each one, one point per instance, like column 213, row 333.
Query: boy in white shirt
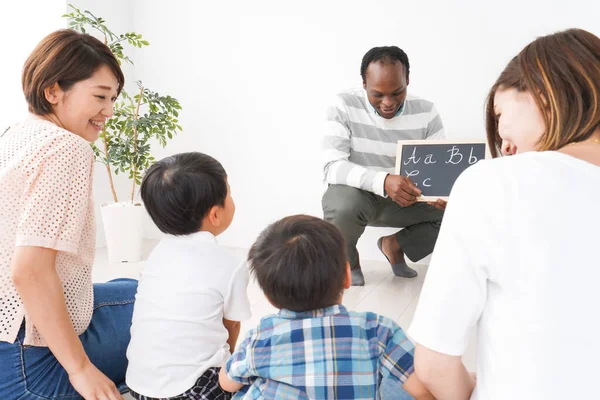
column 192, row 292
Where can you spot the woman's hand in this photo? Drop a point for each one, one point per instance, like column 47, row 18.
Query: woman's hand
column 37, row 282
column 92, row 384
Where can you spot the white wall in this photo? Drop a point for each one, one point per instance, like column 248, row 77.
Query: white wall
column 19, row 37
column 254, row 79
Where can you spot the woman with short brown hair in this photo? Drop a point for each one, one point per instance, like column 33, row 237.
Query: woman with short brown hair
column 60, row 336
column 517, row 255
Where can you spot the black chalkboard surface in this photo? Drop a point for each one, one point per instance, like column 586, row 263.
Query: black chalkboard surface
column 434, row 165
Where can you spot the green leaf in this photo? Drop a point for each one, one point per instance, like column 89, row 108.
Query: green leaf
column 158, row 119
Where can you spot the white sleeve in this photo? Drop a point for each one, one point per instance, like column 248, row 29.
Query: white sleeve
column 337, row 143
column 236, row 305
column 455, row 289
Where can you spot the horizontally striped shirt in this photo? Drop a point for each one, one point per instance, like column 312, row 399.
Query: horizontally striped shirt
column 360, row 146
column 331, row 353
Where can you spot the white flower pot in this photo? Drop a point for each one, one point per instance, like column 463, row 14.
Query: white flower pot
column 123, row 231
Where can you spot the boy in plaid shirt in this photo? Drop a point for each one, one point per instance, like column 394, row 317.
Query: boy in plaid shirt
column 314, row 348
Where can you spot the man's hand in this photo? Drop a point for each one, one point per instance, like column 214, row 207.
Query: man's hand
column 401, row 190
column 439, row 204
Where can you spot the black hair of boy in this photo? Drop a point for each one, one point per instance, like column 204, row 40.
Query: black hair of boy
column 178, row 191
column 300, row 263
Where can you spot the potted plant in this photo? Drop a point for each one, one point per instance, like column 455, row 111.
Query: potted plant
column 124, row 146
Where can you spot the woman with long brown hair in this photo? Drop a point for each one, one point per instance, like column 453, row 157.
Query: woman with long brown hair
column 517, row 256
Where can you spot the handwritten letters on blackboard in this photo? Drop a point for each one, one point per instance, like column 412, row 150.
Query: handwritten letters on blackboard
column 434, row 166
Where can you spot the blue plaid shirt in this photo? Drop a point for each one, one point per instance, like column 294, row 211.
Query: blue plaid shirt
column 323, row 354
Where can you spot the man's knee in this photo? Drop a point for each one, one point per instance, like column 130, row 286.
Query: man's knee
column 341, row 202
column 427, row 213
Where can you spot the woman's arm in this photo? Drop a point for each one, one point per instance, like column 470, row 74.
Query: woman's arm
column 36, row 280
column 416, row 389
column 444, row 375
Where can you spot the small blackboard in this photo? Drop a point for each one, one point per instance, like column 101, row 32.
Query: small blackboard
column 434, row 165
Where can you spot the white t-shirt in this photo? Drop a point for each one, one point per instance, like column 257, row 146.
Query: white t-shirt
column 188, row 285
column 518, row 255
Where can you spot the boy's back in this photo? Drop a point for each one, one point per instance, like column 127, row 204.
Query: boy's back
column 192, row 293
column 329, row 353
column 189, row 284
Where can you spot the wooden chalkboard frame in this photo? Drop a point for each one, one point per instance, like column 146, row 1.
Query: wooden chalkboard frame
column 401, row 144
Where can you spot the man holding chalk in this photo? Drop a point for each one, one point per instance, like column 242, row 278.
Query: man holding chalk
column 361, row 135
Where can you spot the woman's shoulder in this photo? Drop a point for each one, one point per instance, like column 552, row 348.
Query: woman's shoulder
column 46, row 137
column 510, row 167
column 486, row 180
column 513, row 177
column 53, row 131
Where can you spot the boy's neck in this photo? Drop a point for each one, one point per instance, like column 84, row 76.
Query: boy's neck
column 337, row 303
column 211, row 230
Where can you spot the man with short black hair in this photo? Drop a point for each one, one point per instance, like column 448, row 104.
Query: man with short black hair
column 362, row 131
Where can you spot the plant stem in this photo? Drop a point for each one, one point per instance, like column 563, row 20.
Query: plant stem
column 107, row 164
column 110, row 178
column 135, row 136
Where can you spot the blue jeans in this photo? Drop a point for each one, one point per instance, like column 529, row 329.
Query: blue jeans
column 391, row 389
column 29, row 372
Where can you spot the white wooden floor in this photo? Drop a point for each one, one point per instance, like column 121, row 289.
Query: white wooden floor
column 383, row 293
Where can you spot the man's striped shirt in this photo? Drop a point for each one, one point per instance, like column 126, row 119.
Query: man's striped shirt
column 360, row 146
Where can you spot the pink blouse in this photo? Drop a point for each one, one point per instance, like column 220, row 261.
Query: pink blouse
column 46, row 201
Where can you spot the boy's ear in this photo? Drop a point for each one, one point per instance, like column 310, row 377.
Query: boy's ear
column 348, row 279
column 53, row 94
column 213, row 216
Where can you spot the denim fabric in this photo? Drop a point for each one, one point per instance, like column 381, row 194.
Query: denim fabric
column 29, row 372
column 390, row 389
